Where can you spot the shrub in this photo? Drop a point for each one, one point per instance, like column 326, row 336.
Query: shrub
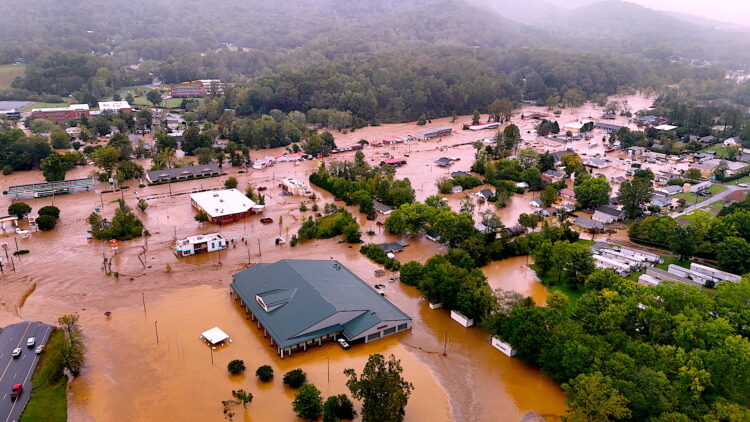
column 50, row 210
column 46, row 222
column 337, row 408
column 374, row 252
column 236, row 367
column 295, row 378
column 7, row 169
column 21, row 252
column 264, row 373
column 302, row 207
column 230, row 183
column 352, row 233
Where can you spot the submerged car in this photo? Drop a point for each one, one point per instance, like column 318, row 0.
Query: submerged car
column 343, row 343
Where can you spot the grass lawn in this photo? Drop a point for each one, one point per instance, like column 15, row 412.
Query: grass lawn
column 49, row 402
column 9, row 72
column 43, row 105
column 585, row 242
column 745, row 179
column 692, row 198
column 668, row 259
column 550, row 282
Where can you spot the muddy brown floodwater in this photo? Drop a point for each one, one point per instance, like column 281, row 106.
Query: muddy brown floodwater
column 129, row 376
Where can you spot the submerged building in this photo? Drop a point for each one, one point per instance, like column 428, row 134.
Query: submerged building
column 300, row 302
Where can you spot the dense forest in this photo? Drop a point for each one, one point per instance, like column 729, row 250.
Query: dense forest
column 382, row 61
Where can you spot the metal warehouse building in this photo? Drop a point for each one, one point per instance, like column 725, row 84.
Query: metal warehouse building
column 304, row 302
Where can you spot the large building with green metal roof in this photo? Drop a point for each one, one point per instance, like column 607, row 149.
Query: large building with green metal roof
column 301, row 302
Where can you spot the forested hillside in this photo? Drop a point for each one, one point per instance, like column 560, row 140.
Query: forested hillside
column 381, row 60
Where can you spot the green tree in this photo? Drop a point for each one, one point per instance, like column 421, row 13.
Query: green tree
column 593, row 193
column 73, row 350
column 106, row 158
column 50, row 210
column 380, row 379
column 543, row 257
column 54, row 167
column 548, row 195
column 475, row 116
column 422, row 120
column 683, row 242
column 46, row 222
column 264, row 373
column 236, row 367
column 295, row 378
column 529, row 221
column 142, row 205
column 352, row 233
column 59, row 139
column 411, row 273
column 308, row 404
column 734, row 255
column 338, row 408
column 202, row 217
column 19, row 209
column 38, row 126
column 634, row 195
column 154, row 97
column 693, row 174
column 230, row 183
column 592, row 397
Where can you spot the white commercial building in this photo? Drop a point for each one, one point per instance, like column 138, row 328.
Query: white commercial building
column 224, row 206
column 193, row 245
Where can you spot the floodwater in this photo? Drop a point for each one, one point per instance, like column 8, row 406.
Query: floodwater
column 128, row 376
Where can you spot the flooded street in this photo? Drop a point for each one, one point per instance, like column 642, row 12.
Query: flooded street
column 128, row 376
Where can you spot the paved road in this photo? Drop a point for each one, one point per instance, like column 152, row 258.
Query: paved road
column 18, row 370
column 719, row 196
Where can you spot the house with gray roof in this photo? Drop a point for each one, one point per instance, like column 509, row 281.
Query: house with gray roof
column 608, row 214
column 588, row 224
column 300, row 302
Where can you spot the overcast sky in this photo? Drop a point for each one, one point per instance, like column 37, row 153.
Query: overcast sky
column 733, row 11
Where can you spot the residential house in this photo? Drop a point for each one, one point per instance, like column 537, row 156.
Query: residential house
column 732, row 142
column 567, row 193
column 444, row 162
column 661, row 201
column 382, row 208
column 552, row 176
column 486, row 193
column 598, row 163
column 224, row 206
column 607, row 214
column 669, row 190
column 588, row 224
column 536, row 202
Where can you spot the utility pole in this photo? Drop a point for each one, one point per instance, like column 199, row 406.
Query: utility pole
column 157, row 331
column 259, row 253
column 143, row 298
column 445, row 344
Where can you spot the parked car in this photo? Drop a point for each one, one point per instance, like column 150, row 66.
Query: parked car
column 16, row 352
column 266, row 220
column 343, row 343
column 743, row 185
column 30, row 342
column 16, row 391
column 39, row 349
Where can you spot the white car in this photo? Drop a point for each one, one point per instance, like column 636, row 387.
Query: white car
column 21, row 231
column 39, row 349
column 30, row 342
column 743, row 185
column 16, row 352
column 344, row 345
